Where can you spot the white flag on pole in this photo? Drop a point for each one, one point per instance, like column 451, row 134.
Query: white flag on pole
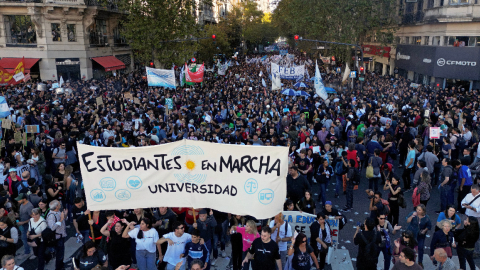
column 347, row 73
column 61, row 81
column 263, row 83
column 319, row 87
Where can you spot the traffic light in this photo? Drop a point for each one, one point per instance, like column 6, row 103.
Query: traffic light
column 333, row 58
column 296, row 37
column 362, row 70
column 151, row 64
column 296, row 40
column 214, row 38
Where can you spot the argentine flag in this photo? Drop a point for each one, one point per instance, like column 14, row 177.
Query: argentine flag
column 319, row 87
column 4, row 109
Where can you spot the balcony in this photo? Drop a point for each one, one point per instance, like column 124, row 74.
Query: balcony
column 111, row 5
column 21, row 1
column 413, row 18
column 453, row 13
column 98, row 39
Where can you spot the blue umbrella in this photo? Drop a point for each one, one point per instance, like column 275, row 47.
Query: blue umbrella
column 330, row 90
column 300, row 84
column 289, row 92
column 302, row 93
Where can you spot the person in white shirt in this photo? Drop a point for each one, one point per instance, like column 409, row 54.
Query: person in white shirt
column 37, row 224
column 472, row 204
column 146, row 238
column 176, row 245
column 8, row 263
column 285, row 235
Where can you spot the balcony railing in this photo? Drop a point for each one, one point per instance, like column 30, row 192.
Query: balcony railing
column 108, row 4
column 21, row 1
column 98, row 39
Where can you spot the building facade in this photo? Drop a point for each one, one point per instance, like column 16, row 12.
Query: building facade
column 74, row 39
column 437, row 43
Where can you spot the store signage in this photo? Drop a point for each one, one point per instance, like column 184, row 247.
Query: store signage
column 377, row 50
column 402, row 56
column 442, row 62
column 67, row 62
column 427, row 60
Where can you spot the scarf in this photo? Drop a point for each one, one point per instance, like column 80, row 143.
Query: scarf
column 115, row 220
column 328, row 238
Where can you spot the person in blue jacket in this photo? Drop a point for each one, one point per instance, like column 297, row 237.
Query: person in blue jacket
column 196, row 251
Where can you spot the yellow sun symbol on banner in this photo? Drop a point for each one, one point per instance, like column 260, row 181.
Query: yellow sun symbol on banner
column 190, row 165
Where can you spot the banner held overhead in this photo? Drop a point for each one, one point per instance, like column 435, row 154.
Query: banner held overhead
column 245, row 180
column 161, row 77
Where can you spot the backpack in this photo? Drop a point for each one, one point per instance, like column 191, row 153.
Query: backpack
column 386, row 207
column 339, row 170
column 415, row 197
column 49, row 236
column 371, row 248
column 461, row 143
column 20, row 186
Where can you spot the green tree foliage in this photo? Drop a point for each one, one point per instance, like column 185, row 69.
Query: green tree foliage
column 149, row 23
column 346, row 21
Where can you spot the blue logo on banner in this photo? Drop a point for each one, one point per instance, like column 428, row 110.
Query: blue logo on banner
column 265, row 196
column 108, row 184
column 123, row 194
column 98, row 195
column 134, row 182
column 251, row 186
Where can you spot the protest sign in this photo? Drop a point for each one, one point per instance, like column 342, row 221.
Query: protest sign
column 32, row 129
column 161, row 77
column 434, row 133
column 334, row 228
column 136, row 101
column 244, row 180
column 169, row 103
column 6, row 123
column 18, row 137
column 128, row 95
column 99, row 101
column 289, row 73
column 299, row 221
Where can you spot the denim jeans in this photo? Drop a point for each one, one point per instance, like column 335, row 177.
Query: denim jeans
column 59, row 253
column 172, row 267
column 464, row 256
column 208, row 244
column 323, row 192
column 246, row 266
column 86, row 236
column 444, row 197
column 339, row 184
column 421, row 247
column 350, row 196
column 146, row 260
column 23, row 231
column 283, row 259
column 373, row 183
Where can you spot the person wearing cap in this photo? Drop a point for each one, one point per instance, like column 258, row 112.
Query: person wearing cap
column 23, row 217
column 206, row 225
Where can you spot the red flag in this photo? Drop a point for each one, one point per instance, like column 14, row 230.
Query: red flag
column 5, row 77
column 196, row 76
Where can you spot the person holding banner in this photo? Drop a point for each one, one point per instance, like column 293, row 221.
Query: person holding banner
column 302, row 253
column 145, row 238
column 282, row 232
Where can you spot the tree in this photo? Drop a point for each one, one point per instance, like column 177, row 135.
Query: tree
column 148, row 24
column 346, row 21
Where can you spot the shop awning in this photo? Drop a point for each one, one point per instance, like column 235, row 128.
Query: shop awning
column 11, row 63
column 109, row 62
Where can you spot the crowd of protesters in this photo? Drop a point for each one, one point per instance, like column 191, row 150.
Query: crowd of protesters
column 370, row 132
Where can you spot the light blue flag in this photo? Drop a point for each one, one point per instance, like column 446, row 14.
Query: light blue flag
column 263, row 83
column 4, row 108
column 319, row 87
column 161, row 77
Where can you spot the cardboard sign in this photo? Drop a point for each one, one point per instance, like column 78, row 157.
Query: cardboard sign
column 136, row 101
column 6, row 123
column 128, row 95
column 434, row 133
column 99, row 101
column 32, row 129
column 18, row 137
column 208, row 118
column 427, row 113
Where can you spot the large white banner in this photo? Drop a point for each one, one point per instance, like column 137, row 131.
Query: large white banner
column 289, row 73
column 161, row 77
column 244, row 180
column 301, row 223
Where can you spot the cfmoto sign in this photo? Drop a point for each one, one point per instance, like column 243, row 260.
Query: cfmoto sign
column 442, row 62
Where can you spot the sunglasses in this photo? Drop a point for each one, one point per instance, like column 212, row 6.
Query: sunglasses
column 406, row 236
column 381, row 218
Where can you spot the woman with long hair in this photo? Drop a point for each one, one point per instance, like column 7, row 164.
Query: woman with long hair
column 146, row 239
column 321, row 238
column 419, row 223
column 406, row 240
column 302, row 253
column 394, row 192
column 118, row 245
column 37, row 164
column 70, row 189
column 424, row 188
column 466, row 238
column 306, row 204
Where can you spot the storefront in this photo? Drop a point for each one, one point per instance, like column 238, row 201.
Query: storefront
column 105, row 65
column 441, row 66
column 68, row 69
column 31, row 65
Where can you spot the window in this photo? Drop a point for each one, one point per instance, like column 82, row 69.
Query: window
column 118, row 38
column 98, row 34
column 436, row 41
column 417, row 40
column 426, row 40
column 458, row 2
column 72, row 34
column 56, row 36
column 20, row 30
column 451, row 41
column 430, row 3
column 407, row 40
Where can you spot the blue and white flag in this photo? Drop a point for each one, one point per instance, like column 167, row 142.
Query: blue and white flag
column 263, row 83
column 288, row 73
column 161, row 77
column 4, row 108
column 307, row 74
column 319, row 87
column 61, row 81
column 182, row 75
